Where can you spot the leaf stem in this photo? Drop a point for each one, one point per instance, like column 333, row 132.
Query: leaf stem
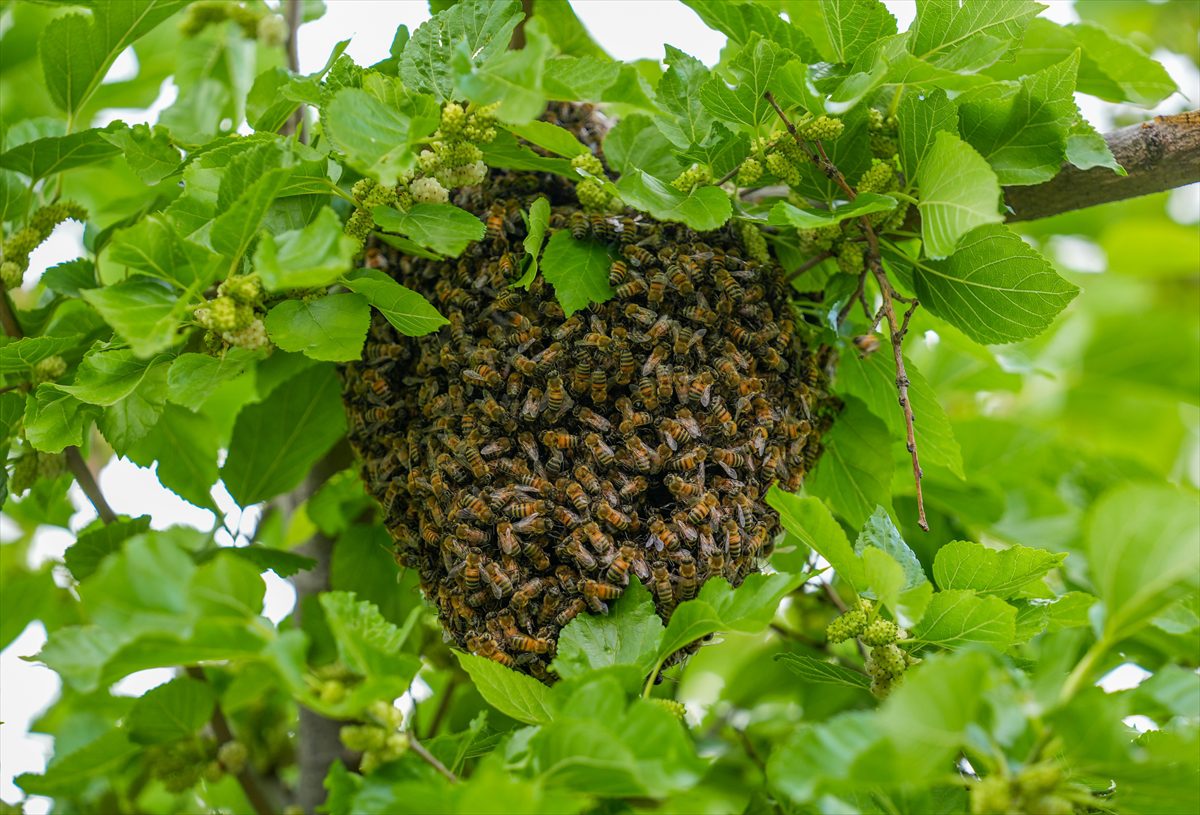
column 806, row 265
column 430, row 759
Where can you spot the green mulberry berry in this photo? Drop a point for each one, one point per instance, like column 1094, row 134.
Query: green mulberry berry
column 749, row 173
column 881, row 686
column 428, row 191
column 49, row 369
column 846, row 626
column 673, row 706
column 692, row 177
column 11, row 275
column 271, row 30
column 454, row 120
column 783, row 168
column 233, row 755
column 363, row 737
column 874, row 120
column 359, row 224
column 589, row 163
column 822, row 128
column 880, row 177
column 990, row 795
column 253, row 336
column 246, row 289
column 850, row 257
column 481, row 127
column 332, row 691
column 363, row 187
column 24, row 473
column 213, row 772
column 879, row 632
column 890, row 659
column 50, row 465
column 592, row 195
column 755, row 242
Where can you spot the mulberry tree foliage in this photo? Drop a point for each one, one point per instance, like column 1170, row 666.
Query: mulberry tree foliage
column 1004, row 507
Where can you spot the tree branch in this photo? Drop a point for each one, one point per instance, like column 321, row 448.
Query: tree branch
column 1159, row 155
column 430, row 759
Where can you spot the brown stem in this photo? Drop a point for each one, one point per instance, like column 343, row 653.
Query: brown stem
column 518, row 36
column 8, row 318
column 889, row 294
column 247, row 778
column 443, row 706
column 1158, row 155
column 430, row 759
column 292, row 14
column 806, row 265
column 87, row 483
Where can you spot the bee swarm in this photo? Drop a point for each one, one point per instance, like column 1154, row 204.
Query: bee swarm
column 528, row 464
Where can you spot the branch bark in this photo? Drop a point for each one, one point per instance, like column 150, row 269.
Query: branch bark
column 1158, row 155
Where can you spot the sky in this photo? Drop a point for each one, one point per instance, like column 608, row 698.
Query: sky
column 627, row 29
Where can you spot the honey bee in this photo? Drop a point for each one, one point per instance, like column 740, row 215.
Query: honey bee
column 472, row 569
column 684, row 490
column 531, row 409
column 525, row 508
column 703, row 508
column 689, row 460
column 475, row 460
column 484, row 375
column 618, row 273
column 508, row 264
column 866, row 344
column 625, row 365
column 529, row 447
column 700, row 314
column 660, row 583
column 629, row 289
column 673, row 433
column 601, row 543
column 534, row 524
column 497, row 580
column 612, row 516
column 574, row 550
column 634, row 486
column 730, row 287
column 603, row 453
column 507, row 539
column 657, row 288
column 640, row 315
column 648, row 393
column 700, row 389
column 577, row 496
column 570, row 612
column 655, row 359
column 476, row 510
column 524, row 595
column 494, row 228
column 758, row 439
column 550, row 603
column 723, row 417
column 569, row 328
column 452, row 468
column 523, row 642
column 536, row 555
column 548, row 355
column 637, row 255
column 581, row 375
column 579, row 225
column 688, row 579
column 733, row 538
column 599, row 386
column 680, row 280
column 661, row 536
column 560, row 439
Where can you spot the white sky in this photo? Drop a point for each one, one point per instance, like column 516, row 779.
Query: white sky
column 627, row 29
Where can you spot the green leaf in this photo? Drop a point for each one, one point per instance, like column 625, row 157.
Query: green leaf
column 956, row 617
column 21, row 355
column 145, row 313
column 996, row 288
column 505, row 153
column 377, row 139
column 872, row 378
column 971, row 36
column 853, row 25
column 239, row 221
column 744, row 105
column 106, row 377
column 444, row 228
column 516, row 695
column 368, row 644
column 702, row 209
column 1087, row 149
column 1024, row 135
column 77, row 51
column 284, row 564
column 131, row 417
column 1004, row 573
column 55, row 420
column 148, row 151
column 851, row 475
column 810, row 520
column 92, row 546
column 226, row 587
column 959, row 192
column 742, row 22
column 811, row 669
column 174, row 710
column 578, row 270
column 310, row 257
column 1141, row 547
column 920, row 118
column 1119, row 71
column 535, row 235
column 43, row 158
column 185, row 446
column 154, row 248
column 331, row 328
column 628, row 637
column 510, row 79
column 635, row 143
column 787, row 214
column 679, row 95
column 410, row 313
column 720, row 607
column 879, row 532
column 483, row 27
column 67, row 774
column 556, row 139
column 276, row 441
column 193, row 377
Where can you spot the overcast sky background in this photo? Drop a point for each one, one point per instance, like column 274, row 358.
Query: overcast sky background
column 627, row 29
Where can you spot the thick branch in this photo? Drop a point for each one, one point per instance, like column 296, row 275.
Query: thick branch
column 1161, row 154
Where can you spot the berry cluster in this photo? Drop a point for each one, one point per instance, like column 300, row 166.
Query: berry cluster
column 379, row 739
column 591, row 192
column 886, row 661
column 180, row 765
column 883, row 130
column 21, row 243
column 453, row 160
column 34, row 466
column 692, row 177
column 234, row 316
column 255, row 23
column 1040, row 788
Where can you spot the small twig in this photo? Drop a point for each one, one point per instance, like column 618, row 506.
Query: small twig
column 87, row 483
column 807, row 265
column 8, row 318
column 292, row 14
column 875, row 265
column 751, row 751
column 247, row 777
column 858, row 296
column 430, row 759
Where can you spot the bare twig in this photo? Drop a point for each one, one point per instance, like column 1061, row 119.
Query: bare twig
column 246, row 778
column 292, row 14
column 430, row 759
column 443, row 706
column 806, row 265
column 87, row 483
column 875, row 265
column 8, row 318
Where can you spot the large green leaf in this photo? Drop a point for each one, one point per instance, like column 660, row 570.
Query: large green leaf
column 742, row 22
column 185, row 447
column 193, row 377
column 444, row 228
column 854, row 476
column 145, row 313
column 514, row 694
column 679, row 94
column 54, row 154
column 483, row 26
column 93, row 545
column 969, row 36
column 1024, row 135
column 54, row 419
column 171, row 711
column 956, row 617
column 1141, row 547
column 853, row 25
column 959, row 192
column 312, row 256
column 628, row 637
column 996, row 288
column 154, row 248
column 919, row 119
column 788, row 214
column 377, row 138
column 276, row 441
column 578, row 270
column 702, row 209
column 512, row 80
column 331, row 328
column 148, row 151
column 811, row 521
column 22, row 354
column 1004, row 573
column 410, row 313
column 744, row 106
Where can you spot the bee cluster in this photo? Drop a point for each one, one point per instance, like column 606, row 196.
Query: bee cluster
column 528, row 463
